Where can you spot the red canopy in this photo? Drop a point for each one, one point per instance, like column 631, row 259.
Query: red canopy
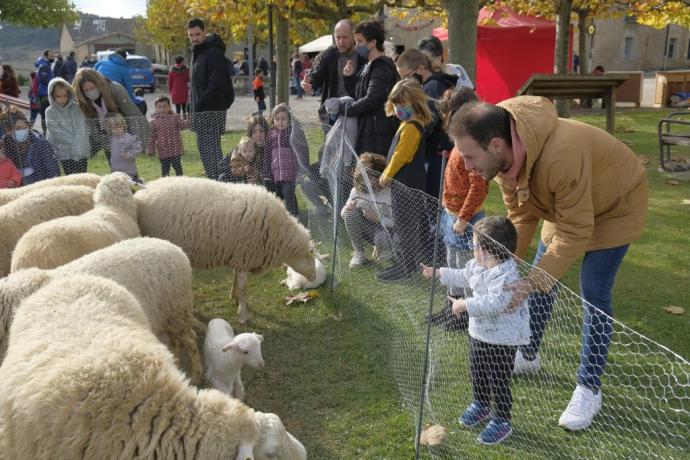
column 510, row 48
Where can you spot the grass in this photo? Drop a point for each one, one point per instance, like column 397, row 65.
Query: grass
column 343, row 371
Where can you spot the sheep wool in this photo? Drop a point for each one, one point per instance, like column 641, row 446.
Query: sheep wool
column 85, row 378
column 40, row 205
column 87, row 179
column 241, row 226
column 59, row 241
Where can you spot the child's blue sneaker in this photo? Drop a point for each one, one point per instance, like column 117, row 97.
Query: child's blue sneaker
column 495, row 432
column 474, row 414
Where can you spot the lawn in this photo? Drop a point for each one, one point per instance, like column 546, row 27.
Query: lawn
column 344, row 370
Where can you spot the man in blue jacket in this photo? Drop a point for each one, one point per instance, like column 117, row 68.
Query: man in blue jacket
column 44, row 73
column 115, row 69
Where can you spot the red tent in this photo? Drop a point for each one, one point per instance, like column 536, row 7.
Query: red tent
column 510, row 48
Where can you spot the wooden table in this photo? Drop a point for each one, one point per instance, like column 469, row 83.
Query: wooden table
column 578, row 86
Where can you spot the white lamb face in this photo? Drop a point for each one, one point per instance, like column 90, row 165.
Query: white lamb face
column 275, row 442
column 248, row 347
column 114, row 187
column 305, row 266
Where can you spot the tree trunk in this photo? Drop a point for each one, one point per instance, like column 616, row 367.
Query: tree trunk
column 582, row 16
column 282, row 57
column 565, row 7
column 462, row 34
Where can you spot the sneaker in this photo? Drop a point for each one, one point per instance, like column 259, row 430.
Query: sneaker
column 526, row 366
column 475, row 414
column 358, row 259
column 495, row 432
column 584, row 405
column 395, row 272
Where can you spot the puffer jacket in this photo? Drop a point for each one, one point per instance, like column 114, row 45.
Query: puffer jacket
column 68, row 132
column 44, row 74
column 178, row 84
column 375, row 130
column 115, row 69
column 35, row 163
column 490, row 321
column 588, row 187
column 165, row 138
column 210, row 80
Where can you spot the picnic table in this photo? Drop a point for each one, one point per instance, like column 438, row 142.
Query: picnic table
column 578, row 86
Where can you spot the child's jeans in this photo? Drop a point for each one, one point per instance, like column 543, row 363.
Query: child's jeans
column 458, row 251
column 491, row 368
column 360, row 230
column 286, row 192
column 175, row 162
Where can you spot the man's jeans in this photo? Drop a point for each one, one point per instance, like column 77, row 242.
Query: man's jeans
column 209, row 127
column 597, row 276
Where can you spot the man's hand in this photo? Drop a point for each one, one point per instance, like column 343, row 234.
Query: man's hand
column 349, row 68
column 428, row 272
column 459, row 226
column 521, row 290
column 385, row 180
column 306, row 84
column 459, row 306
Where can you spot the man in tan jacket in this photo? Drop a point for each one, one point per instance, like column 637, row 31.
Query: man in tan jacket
column 591, row 192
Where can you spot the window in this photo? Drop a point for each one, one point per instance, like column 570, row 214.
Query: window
column 671, row 47
column 628, row 52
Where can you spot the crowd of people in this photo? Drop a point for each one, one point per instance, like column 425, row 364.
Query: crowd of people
column 404, row 119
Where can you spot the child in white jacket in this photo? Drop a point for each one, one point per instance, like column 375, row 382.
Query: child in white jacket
column 496, row 328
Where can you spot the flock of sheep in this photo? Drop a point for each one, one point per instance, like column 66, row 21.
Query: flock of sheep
column 96, row 309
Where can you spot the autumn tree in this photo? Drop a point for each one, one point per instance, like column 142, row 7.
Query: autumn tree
column 37, row 13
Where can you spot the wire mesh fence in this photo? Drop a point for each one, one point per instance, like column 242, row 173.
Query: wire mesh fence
column 398, row 272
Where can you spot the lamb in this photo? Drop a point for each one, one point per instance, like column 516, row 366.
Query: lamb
column 225, row 355
column 85, row 378
column 40, row 205
column 54, row 243
column 240, row 226
column 275, row 441
column 295, row 281
column 87, row 179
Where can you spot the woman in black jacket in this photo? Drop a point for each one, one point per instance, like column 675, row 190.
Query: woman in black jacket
column 374, row 82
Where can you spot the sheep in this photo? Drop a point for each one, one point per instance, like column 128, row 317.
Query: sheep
column 87, row 179
column 37, row 206
column 295, row 281
column 240, row 226
column 276, row 442
column 85, row 378
column 155, row 271
column 225, row 355
column 54, row 243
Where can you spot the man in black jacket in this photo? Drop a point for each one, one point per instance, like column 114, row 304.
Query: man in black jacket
column 327, row 71
column 210, row 93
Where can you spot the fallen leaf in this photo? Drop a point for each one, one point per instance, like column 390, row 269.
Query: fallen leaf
column 335, row 316
column 324, row 200
column 433, row 435
column 672, row 182
column 673, row 310
column 685, row 201
column 644, row 159
column 303, row 297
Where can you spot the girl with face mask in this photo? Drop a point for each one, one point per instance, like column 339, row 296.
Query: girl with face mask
column 32, row 155
column 406, row 174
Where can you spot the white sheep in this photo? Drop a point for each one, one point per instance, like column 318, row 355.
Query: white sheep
column 295, row 281
column 276, row 441
column 226, row 353
column 155, row 271
column 56, row 242
column 87, row 179
column 40, row 205
column 240, row 226
column 85, row 378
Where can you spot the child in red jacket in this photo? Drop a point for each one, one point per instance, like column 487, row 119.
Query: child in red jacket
column 9, row 174
column 166, row 137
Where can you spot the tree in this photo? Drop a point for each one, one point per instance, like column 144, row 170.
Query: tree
column 37, row 13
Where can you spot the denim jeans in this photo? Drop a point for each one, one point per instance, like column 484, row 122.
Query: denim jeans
column 597, row 276
column 458, row 251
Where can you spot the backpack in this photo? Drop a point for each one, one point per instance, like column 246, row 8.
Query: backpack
column 230, row 93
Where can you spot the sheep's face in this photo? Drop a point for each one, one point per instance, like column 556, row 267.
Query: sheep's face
column 275, row 442
column 247, row 347
column 305, row 266
column 115, row 189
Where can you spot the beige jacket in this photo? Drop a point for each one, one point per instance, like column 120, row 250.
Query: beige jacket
column 588, row 187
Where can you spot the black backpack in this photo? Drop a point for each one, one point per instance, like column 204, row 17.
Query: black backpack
column 230, row 93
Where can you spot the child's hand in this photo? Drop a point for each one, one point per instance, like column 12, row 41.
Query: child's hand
column 370, row 215
column 428, row 272
column 459, row 226
column 459, row 306
column 385, row 180
column 521, row 290
column 350, row 206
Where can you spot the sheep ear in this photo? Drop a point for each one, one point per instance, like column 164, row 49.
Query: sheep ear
column 231, row 346
column 260, row 337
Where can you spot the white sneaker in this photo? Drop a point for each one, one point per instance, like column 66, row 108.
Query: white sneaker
column 524, row 366
column 584, row 405
column 358, row 259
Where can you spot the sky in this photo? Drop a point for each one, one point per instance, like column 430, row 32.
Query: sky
column 112, row 8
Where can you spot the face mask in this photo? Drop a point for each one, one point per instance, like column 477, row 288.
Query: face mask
column 403, row 112
column 51, row 60
column 92, row 94
column 362, row 51
column 21, row 135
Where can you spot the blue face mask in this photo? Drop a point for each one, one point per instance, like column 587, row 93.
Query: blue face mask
column 403, row 112
column 21, row 135
column 362, row 50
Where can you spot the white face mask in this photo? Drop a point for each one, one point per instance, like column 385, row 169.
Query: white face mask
column 92, row 94
column 21, row 135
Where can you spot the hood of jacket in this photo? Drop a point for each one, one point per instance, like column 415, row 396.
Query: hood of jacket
column 447, row 80
column 70, row 93
column 41, row 62
column 211, row 41
column 385, row 63
column 117, row 59
column 535, row 120
column 178, row 68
